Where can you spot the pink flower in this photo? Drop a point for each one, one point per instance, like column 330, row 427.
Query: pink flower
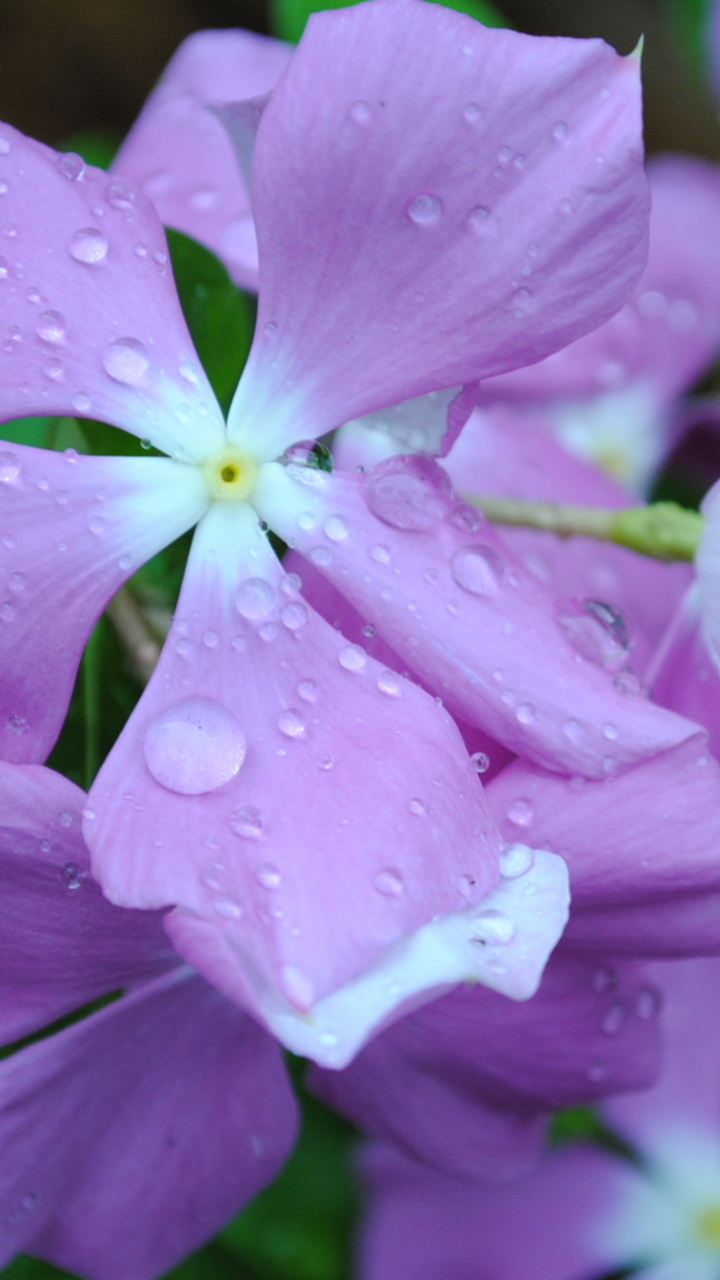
column 308, row 813
column 131, row 1136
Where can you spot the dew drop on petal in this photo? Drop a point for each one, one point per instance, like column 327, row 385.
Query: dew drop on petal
column 70, row 165
column 380, row 554
column 311, row 454
column 16, row 582
column 194, row 746
column 54, row 368
column 408, row 492
column 89, row 245
column 478, row 569
column 602, row 979
column 560, row 131
column 126, row 360
column 596, row 631
column 268, row 876
column 515, row 860
column 612, row 1022
column 246, row 821
column 228, row 909
column 297, row 986
column 425, row 209
column 4, row 146
column 525, row 713
column 520, row 811
column 417, row 807
column 291, row 723
column 9, row 467
column 327, row 762
column 648, row 1003
column 492, row 926
column 255, row 598
column 308, row 690
column 352, row 658
column 360, row 112
column 119, row 194
column 389, row 881
column 389, row 683
column 294, row 615
column 81, row 402
column 480, row 761
column 471, row 112
column 51, row 326
column 336, row 528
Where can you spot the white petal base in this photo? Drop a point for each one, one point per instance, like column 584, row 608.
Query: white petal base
column 533, row 907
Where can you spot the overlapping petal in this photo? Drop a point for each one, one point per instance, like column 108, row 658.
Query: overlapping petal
column 90, row 321
column 430, row 209
column 670, row 330
column 468, row 617
column 131, row 1137
column 61, row 943
column 72, row 530
column 181, row 155
column 462, row 1084
column 641, row 848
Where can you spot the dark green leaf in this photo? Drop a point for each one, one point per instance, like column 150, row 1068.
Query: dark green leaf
column 288, row 17
column 96, row 146
column 219, row 316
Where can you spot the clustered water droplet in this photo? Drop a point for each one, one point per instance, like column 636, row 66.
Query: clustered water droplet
column 408, row 492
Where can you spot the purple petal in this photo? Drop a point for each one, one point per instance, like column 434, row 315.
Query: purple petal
column 683, row 675
column 72, row 530
column 670, row 330
column 130, row 1138
column 91, row 323
column 61, row 943
column 461, row 1084
column 464, row 614
column 180, row 154
column 263, row 744
column 421, row 1226
column 635, row 845
column 430, row 210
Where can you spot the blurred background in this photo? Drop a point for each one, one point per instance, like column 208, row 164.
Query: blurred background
column 70, row 65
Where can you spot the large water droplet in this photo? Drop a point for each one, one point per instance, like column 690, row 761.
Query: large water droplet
column 195, row 745
column 308, row 453
column 255, row 598
column 389, row 683
column 478, row 569
column 515, row 860
column 520, row 812
column 291, row 723
column 389, row 881
column 425, row 209
column 9, row 467
column 408, row 492
column 126, row 360
column 70, row 165
column 51, row 326
column 352, row 658
column 480, row 761
column 596, row 631
column 119, row 194
column 89, row 245
column 246, row 821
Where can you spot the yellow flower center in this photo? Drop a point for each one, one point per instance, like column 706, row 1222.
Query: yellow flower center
column 707, row 1225
column 231, row 477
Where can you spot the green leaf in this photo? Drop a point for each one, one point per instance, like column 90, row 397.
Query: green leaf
column 300, row 1227
column 219, row 316
column 96, row 146
column 288, row 17
column 690, row 18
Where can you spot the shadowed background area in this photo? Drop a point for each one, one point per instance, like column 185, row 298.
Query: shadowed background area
column 68, row 65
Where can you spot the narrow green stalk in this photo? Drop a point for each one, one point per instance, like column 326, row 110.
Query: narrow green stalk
column 91, row 663
column 662, row 530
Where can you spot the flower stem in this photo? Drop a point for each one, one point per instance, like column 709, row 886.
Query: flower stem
column 662, row 530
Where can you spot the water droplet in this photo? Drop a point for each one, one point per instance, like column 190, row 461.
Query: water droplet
column 228, row 909
column 268, row 876
column 194, row 746
column 307, row 453
column 327, row 762
column 610, row 731
column 246, row 821
column 380, row 554
column 520, row 811
column 595, row 630
column 471, row 112
column 268, row 631
column 417, row 807
column 96, row 524
column 478, row 569
column 493, row 927
column 389, row 683
column 565, row 206
column 308, row 690
column 408, row 492
column 613, row 1020
column 9, row 467
column 8, row 611
column 336, row 528
column 480, row 761
column 291, row 723
column 255, row 598
column 321, row 556
column 389, row 881
column 360, row 112
column 516, row 860
column 126, row 360
column 560, row 131
column 210, row 639
column 4, row 268
column 89, row 245
column 573, row 730
column 51, row 326
column 4, row 146
column 70, row 165
column 602, row 980
column 16, row 582
column 119, row 194
column 81, row 402
column 297, row 986
column 294, row 615
column 71, row 876
column 525, row 713
column 466, row 518
column 425, row 209
column 65, row 819
column 648, row 1003
column 18, row 724
column 652, row 305
column 188, row 371
column 352, row 658
column 504, row 156
column 124, row 563
column 53, row 368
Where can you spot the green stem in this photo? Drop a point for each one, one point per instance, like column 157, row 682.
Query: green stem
column 662, row 530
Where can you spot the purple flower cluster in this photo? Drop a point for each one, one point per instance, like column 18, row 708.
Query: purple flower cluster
column 363, row 785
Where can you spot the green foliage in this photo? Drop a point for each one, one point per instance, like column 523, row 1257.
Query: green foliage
column 219, row 316
column 96, row 146
column 689, row 19
column 288, row 17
